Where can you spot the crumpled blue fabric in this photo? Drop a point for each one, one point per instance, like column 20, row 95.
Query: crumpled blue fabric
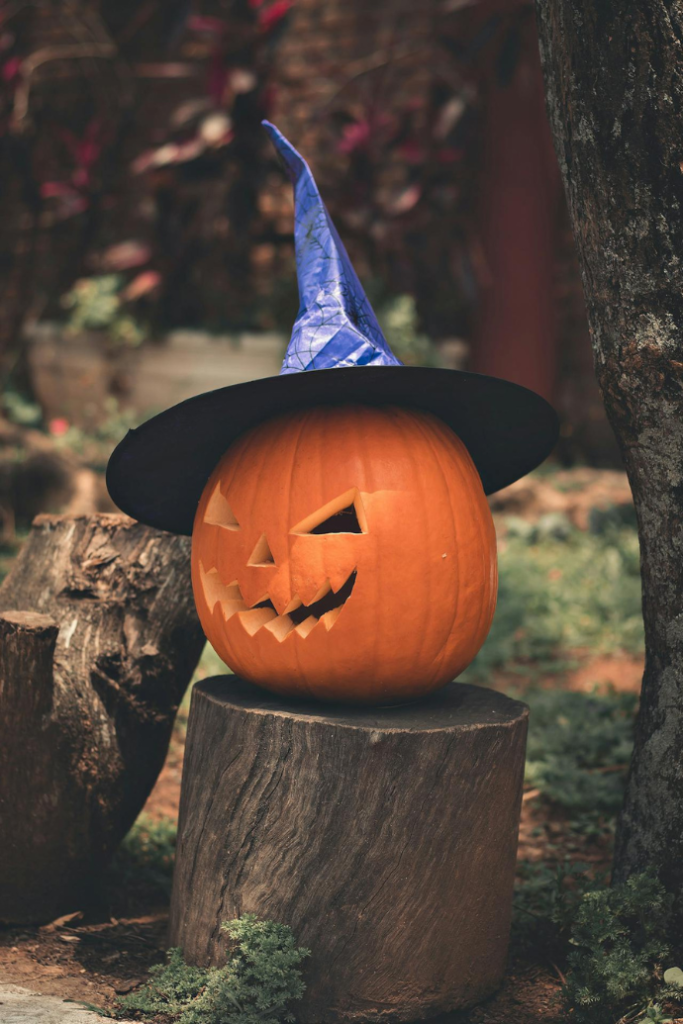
column 335, row 325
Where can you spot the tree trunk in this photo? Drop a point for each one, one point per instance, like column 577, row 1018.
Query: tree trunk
column 385, row 837
column 98, row 641
column 614, row 83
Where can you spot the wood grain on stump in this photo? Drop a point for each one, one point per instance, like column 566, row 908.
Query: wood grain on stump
column 98, row 640
column 385, row 838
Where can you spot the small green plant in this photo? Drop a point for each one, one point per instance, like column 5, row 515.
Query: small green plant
column 610, row 941
column 653, row 1013
column 618, row 953
column 260, row 978
column 19, row 409
column 97, row 303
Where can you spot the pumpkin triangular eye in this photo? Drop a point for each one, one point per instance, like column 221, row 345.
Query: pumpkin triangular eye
column 344, row 521
column 218, row 511
column 344, row 514
column 261, row 555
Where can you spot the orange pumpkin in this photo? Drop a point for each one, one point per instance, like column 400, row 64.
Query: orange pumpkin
column 346, row 553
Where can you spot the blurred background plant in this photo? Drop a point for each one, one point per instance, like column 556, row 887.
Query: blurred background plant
column 99, row 303
column 140, row 194
column 399, row 320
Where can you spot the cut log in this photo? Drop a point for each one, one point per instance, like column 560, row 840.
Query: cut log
column 385, row 838
column 98, row 641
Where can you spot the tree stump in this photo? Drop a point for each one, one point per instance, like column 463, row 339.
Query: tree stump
column 385, row 838
column 98, row 641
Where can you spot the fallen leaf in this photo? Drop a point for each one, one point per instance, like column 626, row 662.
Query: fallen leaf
column 60, row 922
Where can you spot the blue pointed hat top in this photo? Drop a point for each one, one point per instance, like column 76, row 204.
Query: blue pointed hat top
column 335, row 325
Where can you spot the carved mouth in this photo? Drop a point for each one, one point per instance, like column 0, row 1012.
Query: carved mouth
column 324, row 608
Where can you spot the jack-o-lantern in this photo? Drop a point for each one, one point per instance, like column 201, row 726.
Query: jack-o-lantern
column 342, row 543
column 346, row 553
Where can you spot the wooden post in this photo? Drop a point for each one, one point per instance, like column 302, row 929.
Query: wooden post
column 98, row 641
column 386, row 839
column 520, row 192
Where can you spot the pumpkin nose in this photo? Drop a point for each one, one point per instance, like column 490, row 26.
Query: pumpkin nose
column 257, row 570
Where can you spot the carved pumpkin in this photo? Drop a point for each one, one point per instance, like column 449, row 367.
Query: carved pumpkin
column 346, row 553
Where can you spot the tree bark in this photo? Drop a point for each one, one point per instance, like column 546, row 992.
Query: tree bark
column 614, row 85
column 98, row 641
column 386, row 839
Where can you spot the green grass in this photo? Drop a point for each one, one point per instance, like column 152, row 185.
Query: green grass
column 562, row 591
column 209, row 665
column 578, row 750
column 611, row 943
column 144, row 861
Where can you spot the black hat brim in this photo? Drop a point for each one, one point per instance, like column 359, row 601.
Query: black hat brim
column 158, row 471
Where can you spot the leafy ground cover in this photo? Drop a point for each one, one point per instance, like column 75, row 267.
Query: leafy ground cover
column 568, row 639
column 562, row 591
column 261, row 976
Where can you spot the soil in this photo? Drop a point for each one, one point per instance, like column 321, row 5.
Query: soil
column 590, row 673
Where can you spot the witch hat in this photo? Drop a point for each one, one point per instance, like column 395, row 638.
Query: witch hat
column 337, row 354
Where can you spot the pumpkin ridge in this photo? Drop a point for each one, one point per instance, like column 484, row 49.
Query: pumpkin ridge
column 307, row 417
column 426, row 429
column 456, row 465
column 462, row 466
column 405, row 423
column 487, row 540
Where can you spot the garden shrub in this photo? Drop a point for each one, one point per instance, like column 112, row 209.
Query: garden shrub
column 260, row 978
column 619, row 953
column 610, row 941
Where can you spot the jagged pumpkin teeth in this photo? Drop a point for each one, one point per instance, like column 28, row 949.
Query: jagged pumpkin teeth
column 305, row 627
column 295, row 603
column 217, row 591
column 280, row 627
column 255, row 618
column 320, row 594
column 329, row 618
